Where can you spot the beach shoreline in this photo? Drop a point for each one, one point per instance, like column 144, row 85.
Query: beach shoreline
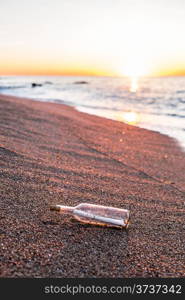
column 53, row 154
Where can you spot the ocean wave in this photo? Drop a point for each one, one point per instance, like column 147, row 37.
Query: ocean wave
column 9, row 87
column 60, row 101
column 176, row 115
column 181, row 100
column 99, row 107
column 180, row 92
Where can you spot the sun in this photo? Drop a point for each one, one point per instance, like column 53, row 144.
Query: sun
column 134, row 66
column 134, row 69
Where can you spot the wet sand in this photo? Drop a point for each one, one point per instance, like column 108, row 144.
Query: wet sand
column 52, row 154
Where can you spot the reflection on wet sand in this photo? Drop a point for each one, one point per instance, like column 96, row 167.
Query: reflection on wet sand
column 129, row 117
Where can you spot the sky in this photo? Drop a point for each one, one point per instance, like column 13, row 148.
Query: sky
column 92, row 37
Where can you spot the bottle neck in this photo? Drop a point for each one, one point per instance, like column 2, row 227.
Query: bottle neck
column 62, row 209
column 65, row 209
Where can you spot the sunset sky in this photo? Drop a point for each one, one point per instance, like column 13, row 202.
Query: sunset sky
column 92, row 37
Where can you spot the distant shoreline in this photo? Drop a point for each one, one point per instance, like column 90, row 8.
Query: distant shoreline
column 157, row 104
column 53, row 154
column 179, row 144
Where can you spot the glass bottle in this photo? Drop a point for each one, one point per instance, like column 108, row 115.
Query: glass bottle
column 96, row 214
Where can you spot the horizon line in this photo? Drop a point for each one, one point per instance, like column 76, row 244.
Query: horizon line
column 93, row 75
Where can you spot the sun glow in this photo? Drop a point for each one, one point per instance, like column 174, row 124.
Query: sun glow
column 98, row 38
column 135, row 68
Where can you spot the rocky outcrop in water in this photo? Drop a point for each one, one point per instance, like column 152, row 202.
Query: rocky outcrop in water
column 81, row 82
column 35, row 84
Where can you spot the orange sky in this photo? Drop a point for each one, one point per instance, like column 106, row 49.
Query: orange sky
column 91, row 37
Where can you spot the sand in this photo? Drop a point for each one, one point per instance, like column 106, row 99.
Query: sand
column 53, row 154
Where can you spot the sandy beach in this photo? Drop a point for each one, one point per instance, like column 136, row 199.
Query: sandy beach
column 53, row 154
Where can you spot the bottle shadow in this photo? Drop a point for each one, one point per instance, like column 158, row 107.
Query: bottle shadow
column 107, row 227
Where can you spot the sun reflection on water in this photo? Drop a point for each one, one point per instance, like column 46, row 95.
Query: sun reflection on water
column 133, row 84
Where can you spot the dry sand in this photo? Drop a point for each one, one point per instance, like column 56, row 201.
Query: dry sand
column 52, row 154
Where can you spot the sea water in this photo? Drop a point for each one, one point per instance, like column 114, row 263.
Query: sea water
column 152, row 103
